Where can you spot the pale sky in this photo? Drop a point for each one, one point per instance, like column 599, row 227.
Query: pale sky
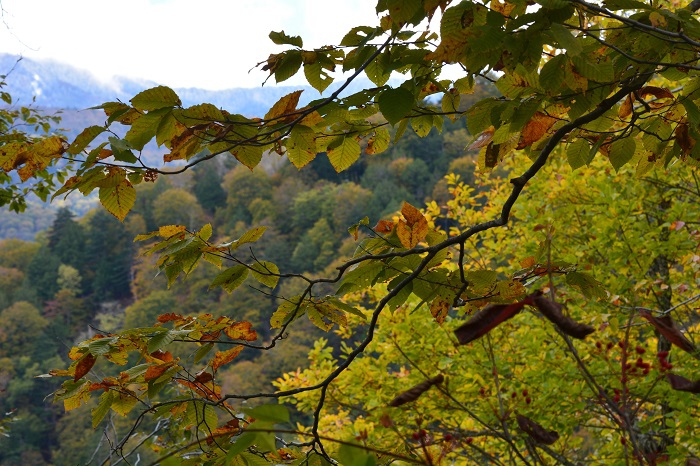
column 209, row 44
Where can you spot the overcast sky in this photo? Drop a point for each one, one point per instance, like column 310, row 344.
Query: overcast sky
column 209, row 44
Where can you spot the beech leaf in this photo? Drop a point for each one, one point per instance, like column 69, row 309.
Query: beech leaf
column 84, row 366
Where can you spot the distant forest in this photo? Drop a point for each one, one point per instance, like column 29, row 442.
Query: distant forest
column 82, row 273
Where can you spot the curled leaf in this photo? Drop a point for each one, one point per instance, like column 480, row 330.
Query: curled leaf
column 485, row 320
column 553, row 312
column 413, row 393
column 483, row 139
column 667, row 327
column 682, row 384
column 538, row 433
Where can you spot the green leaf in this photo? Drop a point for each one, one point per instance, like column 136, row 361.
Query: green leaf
column 144, row 128
column 479, row 116
column 85, row 138
column 552, row 73
column 622, row 151
column 422, row 125
column 293, row 305
column 317, row 76
column 102, row 408
column 250, row 156
column 403, row 10
column 589, row 286
column 231, row 278
column 343, row 152
column 566, row 40
column 155, row 98
column 288, row 65
column 351, row 455
column 481, row 280
column 202, row 352
column 266, row 273
column 118, row 199
column 577, row 153
column 160, row 340
column 379, row 142
column 395, row 104
column 602, row 71
column 269, row 413
column 123, row 403
column 249, row 236
column 301, row 145
column 280, row 38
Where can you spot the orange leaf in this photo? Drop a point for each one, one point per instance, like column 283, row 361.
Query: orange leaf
column 163, row 356
column 384, row 226
column 84, row 366
column 241, row 331
column 225, row 357
column 163, row 318
column 153, row 372
column 535, row 129
column 411, row 214
column 527, row 262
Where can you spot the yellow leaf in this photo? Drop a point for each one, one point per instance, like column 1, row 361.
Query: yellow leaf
column 168, row 231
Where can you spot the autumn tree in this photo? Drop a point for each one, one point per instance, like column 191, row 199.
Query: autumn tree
column 611, row 89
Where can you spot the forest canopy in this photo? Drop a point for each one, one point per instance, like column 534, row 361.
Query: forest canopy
column 524, row 293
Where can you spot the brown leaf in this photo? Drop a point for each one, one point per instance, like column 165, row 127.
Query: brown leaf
column 535, row 129
column 203, row 376
column 491, row 155
column 384, row 226
column 680, row 383
column 84, row 366
column 439, row 309
column 553, row 312
column 668, row 329
column 241, row 331
column 483, row 139
column 224, row 357
column 683, row 138
column 538, row 433
column 658, row 92
column 284, row 106
column 413, row 393
column 626, row 107
column 485, row 320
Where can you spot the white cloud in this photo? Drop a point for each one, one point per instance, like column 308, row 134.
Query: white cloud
column 208, row 44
